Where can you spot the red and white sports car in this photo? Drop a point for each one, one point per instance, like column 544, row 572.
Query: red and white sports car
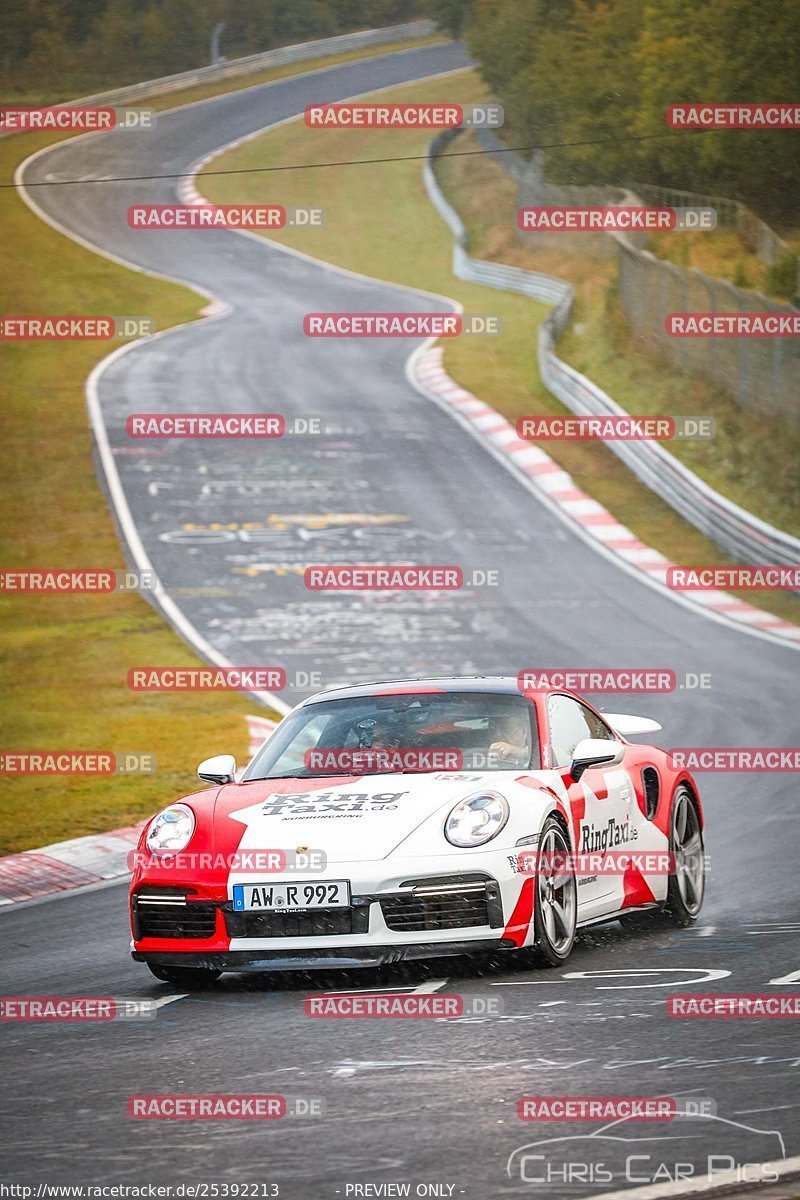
column 416, row 819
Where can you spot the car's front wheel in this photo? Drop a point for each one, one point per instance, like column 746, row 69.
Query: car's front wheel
column 556, row 904
column 192, row 978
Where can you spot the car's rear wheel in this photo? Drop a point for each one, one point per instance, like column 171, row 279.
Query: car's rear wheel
column 686, row 886
column 193, row 978
column 556, row 903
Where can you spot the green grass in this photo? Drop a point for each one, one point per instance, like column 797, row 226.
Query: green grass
column 65, row 658
column 379, row 221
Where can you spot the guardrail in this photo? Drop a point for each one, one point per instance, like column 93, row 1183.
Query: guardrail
column 299, row 52
column 736, row 531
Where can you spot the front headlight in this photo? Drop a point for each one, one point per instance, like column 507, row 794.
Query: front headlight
column 476, row 820
column 171, row 830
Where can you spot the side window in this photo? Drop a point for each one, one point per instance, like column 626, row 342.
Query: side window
column 598, row 728
column 570, row 722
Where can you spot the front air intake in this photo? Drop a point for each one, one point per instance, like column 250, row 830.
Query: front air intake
column 169, row 913
column 444, row 902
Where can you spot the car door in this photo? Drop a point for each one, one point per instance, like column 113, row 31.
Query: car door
column 600, row 802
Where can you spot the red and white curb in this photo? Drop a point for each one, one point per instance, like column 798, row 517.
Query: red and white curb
column 186, row 188
column 82, row 861
column 67, row 865
column 575, row 505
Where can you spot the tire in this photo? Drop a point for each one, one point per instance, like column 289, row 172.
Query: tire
column 555, row 911
column 686, row 887
column 192, row 978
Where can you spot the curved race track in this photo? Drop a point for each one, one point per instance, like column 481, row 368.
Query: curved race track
column 409, row 1102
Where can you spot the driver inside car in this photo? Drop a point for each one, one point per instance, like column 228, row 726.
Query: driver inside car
column 377, row 734
column 510, row 734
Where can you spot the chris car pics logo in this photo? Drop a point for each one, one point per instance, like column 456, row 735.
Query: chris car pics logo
column 702, row 1147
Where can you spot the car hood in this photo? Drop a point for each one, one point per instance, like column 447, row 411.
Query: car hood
column 347, row 818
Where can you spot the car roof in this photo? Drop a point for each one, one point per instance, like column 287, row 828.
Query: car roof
column 503, row 684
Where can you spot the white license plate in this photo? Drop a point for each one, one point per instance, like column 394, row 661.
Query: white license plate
column 290, row 897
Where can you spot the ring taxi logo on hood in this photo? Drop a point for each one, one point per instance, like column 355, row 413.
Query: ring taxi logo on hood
column 329, row 803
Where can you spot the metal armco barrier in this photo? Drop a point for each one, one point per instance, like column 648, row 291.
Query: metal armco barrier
column 300, row 52
column 730, row 527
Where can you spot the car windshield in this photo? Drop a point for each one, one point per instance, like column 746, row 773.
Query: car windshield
column 420, row 732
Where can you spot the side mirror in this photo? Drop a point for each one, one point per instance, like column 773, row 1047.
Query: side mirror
column 595, row 752
column 220, row 769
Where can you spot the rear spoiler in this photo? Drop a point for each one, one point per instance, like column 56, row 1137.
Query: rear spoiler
column 630, row 726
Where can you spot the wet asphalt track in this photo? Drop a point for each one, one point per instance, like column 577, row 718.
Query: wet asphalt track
column 417, row 1102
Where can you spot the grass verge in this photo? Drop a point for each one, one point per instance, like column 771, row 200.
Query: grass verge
column 65, row 658
column 379, row 221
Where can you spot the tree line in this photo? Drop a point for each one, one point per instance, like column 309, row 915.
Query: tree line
column 592, row 76
column 595, row 76
column 54, row 49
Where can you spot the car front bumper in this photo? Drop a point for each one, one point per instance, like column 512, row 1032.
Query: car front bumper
column 426, row 908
